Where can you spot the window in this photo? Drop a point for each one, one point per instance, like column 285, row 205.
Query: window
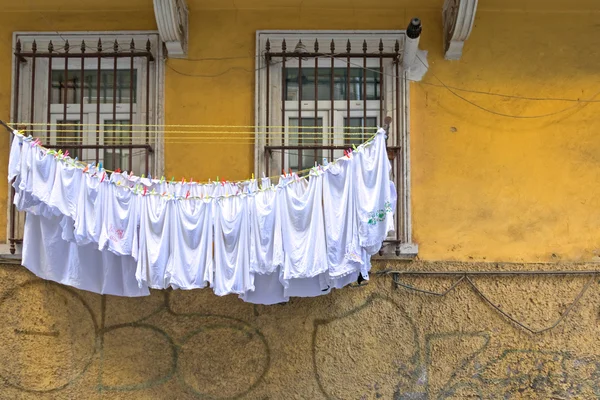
column 93, row 95
column 319, row 93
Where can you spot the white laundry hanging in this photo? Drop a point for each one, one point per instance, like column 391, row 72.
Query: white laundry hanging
column 122, row 234
column 48, row 255
column 373, row 195
column 154, row 242
column 191, row 265
column 232, row 243
column 266, row 246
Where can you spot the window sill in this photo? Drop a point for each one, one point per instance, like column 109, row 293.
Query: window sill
column 406, row 251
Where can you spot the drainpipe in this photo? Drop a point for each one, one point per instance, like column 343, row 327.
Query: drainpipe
column 413, row 34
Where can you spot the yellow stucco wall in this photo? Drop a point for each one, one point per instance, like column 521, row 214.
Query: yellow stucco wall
column 485, row 188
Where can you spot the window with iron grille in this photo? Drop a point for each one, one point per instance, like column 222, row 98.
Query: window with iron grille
column 95, row 95
column 318, row 93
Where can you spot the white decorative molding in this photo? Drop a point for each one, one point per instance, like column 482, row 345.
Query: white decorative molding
column 458, row 17
column 172, row 21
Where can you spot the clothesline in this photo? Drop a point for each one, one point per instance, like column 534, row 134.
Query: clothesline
column 136, row 188
column 184, row 126
column 232, row 135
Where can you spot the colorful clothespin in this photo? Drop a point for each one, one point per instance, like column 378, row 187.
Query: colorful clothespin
column 67, row 153
column 162, row 179
column 118, row 171
column 325, row 162
column 291, row 173
column 86, row 169
column 346, row 153
column 353, row 147
column 143, row 176
column 187, row 194
column 145, row 189
column 149, row 176
column 103, row 176
column 223, row 183
column 182, row 181
column 253, row 176
column 191, row 181
column 172, row 180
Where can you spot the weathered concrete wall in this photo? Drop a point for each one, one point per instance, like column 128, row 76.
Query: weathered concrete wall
column 359, row 343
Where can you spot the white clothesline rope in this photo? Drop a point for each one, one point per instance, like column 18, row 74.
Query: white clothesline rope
column 45, row 124
column 140, row 185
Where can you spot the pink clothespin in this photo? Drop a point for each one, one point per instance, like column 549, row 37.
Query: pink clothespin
column 187, row 194
column 103, row 176
column 145, row 189
column 67, row 153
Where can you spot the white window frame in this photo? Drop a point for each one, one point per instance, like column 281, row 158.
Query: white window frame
column 392, row 106
column 108, row 38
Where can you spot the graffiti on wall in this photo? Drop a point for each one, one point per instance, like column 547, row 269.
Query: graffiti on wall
column 41, row 315
column 388, row 363
column 375, row 350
